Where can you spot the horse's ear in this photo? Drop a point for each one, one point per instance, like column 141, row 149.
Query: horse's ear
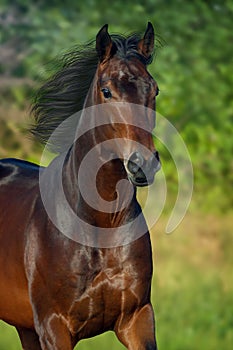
column 103, row 44
column 146, row 45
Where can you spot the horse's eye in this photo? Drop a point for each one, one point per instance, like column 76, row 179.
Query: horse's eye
column 157, row 91
column 107, row 93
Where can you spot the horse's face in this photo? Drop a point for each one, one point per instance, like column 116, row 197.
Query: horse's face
column 126, row 80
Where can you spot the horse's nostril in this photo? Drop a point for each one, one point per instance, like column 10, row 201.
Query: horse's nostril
column 135, row 162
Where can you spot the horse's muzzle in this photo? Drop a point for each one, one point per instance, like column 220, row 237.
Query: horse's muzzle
column 140, row 171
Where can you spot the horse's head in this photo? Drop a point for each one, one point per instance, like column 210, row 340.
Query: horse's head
column 128, row 91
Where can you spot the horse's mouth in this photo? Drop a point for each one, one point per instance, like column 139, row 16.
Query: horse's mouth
column 140, row 182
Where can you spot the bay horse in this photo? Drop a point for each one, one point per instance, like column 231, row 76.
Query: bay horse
column 55, row 289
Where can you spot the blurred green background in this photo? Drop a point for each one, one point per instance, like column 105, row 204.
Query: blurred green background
column 192, row 290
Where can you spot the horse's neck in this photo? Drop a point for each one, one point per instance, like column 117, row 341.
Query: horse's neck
column 101, row 197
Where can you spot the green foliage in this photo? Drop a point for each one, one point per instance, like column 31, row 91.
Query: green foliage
column 197, row 96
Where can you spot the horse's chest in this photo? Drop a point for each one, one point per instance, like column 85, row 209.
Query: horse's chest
column 101, row 303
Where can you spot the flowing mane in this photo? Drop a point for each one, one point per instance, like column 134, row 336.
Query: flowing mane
column 64, row 93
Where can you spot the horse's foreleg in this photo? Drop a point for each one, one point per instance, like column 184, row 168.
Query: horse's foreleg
column 138, row 331
column 29, row 339
column 53, row 333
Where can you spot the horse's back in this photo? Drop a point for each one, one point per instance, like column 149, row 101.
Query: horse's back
column 18, row 193
column 8, row 165
column 18, row 187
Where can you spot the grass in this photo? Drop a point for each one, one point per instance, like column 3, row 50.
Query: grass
column 192, row 288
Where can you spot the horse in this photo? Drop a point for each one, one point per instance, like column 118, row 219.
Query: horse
column 63, row 281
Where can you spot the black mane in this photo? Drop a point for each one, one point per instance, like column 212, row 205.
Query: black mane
column 64, row 93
